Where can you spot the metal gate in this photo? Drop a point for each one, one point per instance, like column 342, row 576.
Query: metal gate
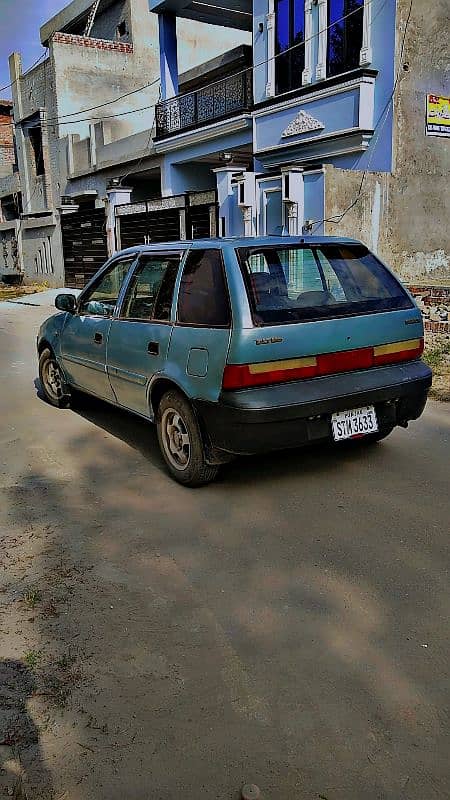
column 84, row 245
column 162, row 220
column 202, row 212
column 168, row 219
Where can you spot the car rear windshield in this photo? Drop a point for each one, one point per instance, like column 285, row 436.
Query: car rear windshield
column 305, row 282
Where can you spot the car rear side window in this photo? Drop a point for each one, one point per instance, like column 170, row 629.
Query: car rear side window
column 203, row 296
column 149, row 295
column 296, row 283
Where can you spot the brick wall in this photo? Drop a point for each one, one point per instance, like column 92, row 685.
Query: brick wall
column 87, row 41
column 434, row 302
column 6, row 140
column 35, row 86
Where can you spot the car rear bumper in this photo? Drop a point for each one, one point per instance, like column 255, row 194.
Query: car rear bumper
column 292, row 414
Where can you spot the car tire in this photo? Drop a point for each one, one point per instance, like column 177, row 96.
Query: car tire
column 181, row 442
column 52, row 380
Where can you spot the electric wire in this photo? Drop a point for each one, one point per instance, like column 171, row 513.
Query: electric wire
column 41, row 57
column 62, row 118
column 337, row 218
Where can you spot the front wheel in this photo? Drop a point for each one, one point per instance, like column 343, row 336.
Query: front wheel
column 52, row 380
column 181, row 442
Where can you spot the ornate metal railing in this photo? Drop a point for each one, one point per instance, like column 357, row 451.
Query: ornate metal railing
column 221, row 99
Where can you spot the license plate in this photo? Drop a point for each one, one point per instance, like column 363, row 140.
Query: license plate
column 356, row 422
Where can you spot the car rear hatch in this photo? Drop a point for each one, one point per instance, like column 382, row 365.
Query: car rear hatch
column 319, row 310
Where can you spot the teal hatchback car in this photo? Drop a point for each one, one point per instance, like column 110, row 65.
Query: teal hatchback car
column 237, row 346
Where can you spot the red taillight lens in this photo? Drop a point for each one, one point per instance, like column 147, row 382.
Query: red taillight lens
column 242, row 376
column 345, row 361
column 397, row 351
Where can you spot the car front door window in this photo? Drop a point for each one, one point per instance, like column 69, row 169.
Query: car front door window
column 101, row 299
column 139, row 338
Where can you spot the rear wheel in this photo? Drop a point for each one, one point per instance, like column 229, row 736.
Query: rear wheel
column 181, row 443
column 52, row 380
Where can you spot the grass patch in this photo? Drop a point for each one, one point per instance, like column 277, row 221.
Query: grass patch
column 32, row 658
column 32, row 597
column 11, row 292
column 437, row 356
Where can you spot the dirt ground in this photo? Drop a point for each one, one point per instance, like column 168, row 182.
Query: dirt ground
column 286, row 626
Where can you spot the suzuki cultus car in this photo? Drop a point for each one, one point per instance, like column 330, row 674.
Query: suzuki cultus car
column 237, row 346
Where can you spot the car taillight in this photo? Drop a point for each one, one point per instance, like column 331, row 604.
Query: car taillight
column 242, row 376
column 397, row 351
column 239, row 376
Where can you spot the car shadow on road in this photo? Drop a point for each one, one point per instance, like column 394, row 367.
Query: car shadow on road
column 129, row 428
column 315, row 458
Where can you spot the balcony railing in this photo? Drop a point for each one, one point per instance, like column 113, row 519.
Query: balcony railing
column 221, row 99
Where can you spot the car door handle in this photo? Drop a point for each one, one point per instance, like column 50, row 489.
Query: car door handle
column 153, row 348
column 98, row 338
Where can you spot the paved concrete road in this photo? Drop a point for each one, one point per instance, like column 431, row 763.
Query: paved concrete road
column 286, row 626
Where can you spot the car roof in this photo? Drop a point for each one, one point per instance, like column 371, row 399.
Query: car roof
column 244, row 241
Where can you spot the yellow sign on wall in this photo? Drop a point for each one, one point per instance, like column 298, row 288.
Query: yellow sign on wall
column 438, row 115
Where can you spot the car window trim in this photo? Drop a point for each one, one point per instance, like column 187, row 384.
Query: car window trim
column 109, row 264
column 129, row 278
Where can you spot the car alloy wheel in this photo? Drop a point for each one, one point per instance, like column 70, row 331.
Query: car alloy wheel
column 52, row 380
column 175, row 437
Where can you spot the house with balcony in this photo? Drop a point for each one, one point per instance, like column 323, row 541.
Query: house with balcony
column 329, row 134
column 83, row 121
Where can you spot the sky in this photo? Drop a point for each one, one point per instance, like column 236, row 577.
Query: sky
column 20, row 21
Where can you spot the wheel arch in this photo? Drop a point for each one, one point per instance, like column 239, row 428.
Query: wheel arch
column 158, row 389
column 44, row 344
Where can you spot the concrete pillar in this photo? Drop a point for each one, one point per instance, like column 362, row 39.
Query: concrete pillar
column 293, row 193
column 168, row 56
column 225, row 198
column 117, row 196
column 321, row 67
column 15, row 72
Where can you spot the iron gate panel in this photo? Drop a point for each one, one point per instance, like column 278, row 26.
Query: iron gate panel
column 84, row 245
column 164, row 226
column 167, row 219
column 202, row 214
column 148, row 227
column 133, row 230
column 199, row 226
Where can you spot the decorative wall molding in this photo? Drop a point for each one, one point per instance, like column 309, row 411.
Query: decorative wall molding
column 366, row 48
column 307, row 73
column 321, row 67
column 130, row 208
column 177, row 201
column 202, row 198
column 204, row 134
column 302, row 123
column 320, row 93
column 270, row 26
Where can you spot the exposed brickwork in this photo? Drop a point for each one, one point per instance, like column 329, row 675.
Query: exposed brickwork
column 6, row 134
column 434, row 302
column 35, row 86
column 88, row 41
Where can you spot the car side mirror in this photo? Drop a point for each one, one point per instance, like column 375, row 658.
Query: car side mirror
column 66, row 302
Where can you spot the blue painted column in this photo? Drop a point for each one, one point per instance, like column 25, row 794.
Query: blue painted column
column 168, row 58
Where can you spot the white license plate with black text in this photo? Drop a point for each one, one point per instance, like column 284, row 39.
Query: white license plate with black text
column 356, row 422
